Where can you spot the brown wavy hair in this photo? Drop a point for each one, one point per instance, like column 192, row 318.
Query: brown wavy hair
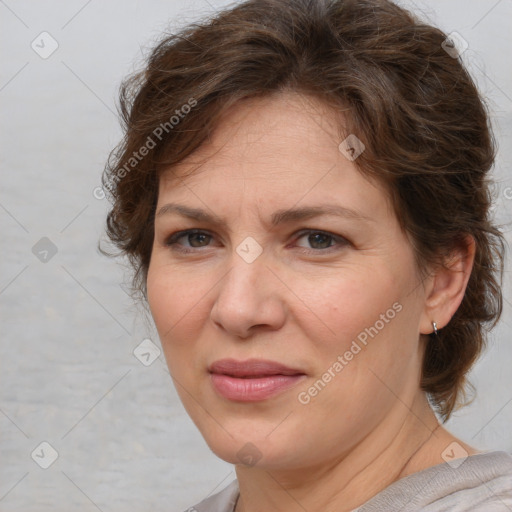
column 417, row 110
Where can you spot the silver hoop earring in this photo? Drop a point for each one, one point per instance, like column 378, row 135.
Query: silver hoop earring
column 435, row 328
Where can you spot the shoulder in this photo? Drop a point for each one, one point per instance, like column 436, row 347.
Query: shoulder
column 223, row 501
column 481, row 482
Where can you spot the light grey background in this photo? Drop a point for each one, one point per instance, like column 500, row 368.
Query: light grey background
column 68, row 373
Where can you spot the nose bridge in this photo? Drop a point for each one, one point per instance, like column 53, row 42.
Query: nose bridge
column 248, row 296
column 248, row 266
column 245, row 283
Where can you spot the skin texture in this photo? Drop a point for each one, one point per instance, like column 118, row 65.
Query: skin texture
column 301, row 302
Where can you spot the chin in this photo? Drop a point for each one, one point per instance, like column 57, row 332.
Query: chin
column 249, row 451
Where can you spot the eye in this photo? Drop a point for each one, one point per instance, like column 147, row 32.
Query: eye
column 194, row 237
column 321, row 241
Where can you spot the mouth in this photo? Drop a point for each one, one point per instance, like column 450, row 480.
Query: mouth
column 252, row 380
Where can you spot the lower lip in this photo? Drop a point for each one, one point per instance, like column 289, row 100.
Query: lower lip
column 252, row 390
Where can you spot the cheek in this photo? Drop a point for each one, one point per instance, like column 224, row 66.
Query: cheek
column 161, row 301
column 364, row 331
column 178, row 305
column 346, row 304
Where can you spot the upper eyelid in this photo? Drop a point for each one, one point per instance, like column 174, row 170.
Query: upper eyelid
column 301, row 232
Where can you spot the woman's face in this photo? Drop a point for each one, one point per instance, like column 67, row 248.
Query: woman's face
column 293, row 258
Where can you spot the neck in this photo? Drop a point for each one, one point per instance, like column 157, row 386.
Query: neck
column 401, row 445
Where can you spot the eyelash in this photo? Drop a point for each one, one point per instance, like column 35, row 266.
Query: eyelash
column 172, row 241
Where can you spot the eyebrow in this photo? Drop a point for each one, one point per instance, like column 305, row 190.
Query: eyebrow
column 278, row 217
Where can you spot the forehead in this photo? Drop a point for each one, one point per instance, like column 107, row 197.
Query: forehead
column 270, row 129
column 281, row 148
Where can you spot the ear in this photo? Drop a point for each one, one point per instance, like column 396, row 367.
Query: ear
column 446, row 287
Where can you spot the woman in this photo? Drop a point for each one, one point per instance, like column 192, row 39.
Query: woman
column 303, row 193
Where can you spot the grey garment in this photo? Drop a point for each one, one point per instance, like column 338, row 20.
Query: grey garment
column 481, row 483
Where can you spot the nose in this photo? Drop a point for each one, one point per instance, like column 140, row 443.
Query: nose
column 250, row 299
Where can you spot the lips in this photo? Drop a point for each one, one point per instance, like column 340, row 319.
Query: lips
column 252, row 380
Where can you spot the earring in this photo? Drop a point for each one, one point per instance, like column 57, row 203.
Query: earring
column 435, row 328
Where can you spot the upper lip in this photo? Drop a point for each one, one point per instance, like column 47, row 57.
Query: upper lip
column 251, row 368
